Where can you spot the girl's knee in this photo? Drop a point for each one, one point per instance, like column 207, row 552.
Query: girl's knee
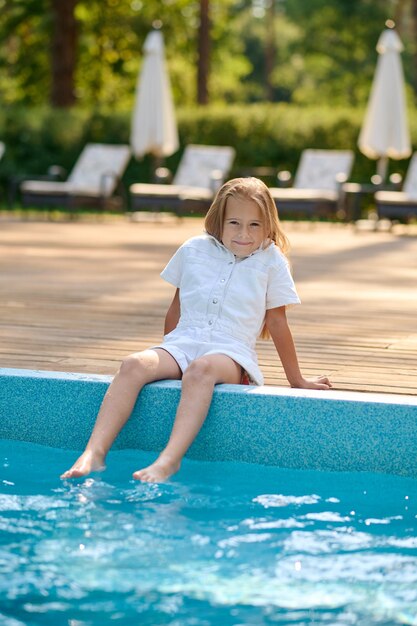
column 198, row 370
column 135, row 365
column 130, row 365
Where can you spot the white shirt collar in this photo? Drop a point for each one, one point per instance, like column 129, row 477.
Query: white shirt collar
column 223, row 247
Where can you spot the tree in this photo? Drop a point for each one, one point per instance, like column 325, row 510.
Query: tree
column 63, row 53
column 203, row 53
column 89, row 52
column 270, row 50
column 24, row 71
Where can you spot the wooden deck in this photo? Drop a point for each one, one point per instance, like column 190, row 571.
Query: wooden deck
column 79, row 296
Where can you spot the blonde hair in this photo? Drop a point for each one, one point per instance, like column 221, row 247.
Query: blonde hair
column 251, row 189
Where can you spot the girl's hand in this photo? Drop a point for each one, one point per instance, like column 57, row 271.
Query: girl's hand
column 320, row 382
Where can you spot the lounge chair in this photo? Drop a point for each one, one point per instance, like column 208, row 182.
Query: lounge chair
column 400, row 204
column 93, row 181
column 201, row 171
column 317, row 188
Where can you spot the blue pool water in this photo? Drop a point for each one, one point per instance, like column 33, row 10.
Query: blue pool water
column 221, row 544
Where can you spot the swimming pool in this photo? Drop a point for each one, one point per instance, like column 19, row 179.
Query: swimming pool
column 224, row 542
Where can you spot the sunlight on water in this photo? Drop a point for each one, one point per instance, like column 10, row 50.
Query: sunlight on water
column 228, row 544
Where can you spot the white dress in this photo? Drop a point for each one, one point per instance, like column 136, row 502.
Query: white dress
column 223, row 300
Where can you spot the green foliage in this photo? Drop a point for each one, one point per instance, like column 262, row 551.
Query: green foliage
column 275, row 135
column 111, row 34
column 337, row 40
column 263, row 135
column 324, row 50
column 24, row 69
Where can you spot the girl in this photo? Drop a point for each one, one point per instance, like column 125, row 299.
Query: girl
column 232, row 285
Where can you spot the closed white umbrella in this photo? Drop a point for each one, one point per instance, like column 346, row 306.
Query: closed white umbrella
column 154, row 128
column 384, row 134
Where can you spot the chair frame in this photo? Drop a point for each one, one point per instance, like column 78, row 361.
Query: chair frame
column 185, row 199
column 323, row 202
column 116, row 199
column 400, row 205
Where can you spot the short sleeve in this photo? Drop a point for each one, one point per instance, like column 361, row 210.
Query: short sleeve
column 172, row 272
column 281, row 289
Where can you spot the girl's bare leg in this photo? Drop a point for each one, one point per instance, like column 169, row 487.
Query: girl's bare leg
column 197, row 390
column 135, row 371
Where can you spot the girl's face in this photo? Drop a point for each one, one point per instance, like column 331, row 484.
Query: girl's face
column 243, row 226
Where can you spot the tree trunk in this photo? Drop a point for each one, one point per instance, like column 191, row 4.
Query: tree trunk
column 63, row 53
column 270, row 50
column 399, row 14
column 203, row 53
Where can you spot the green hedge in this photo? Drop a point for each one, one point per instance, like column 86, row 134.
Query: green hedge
column 263, row 135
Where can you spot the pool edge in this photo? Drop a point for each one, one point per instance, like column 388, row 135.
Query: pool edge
column 333, row 430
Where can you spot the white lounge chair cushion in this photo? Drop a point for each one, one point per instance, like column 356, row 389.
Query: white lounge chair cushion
column 395, row 197
column 199, row 163
column 318, row 177
column 409, row 193
column 54, row 188
column 290, row 193
column 98, row 168
column 410, row 182
column 46, row 187
column 319, row 169
column 200, row 173
column 95, row 174
column 171, row 191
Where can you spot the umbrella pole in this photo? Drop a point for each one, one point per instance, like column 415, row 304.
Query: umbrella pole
column 157, row 162
column 382, row 168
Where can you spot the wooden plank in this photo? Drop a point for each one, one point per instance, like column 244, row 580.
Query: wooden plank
column 79, row 296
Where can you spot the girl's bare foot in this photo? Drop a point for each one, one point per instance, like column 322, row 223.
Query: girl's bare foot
column 157, row 472
column 88, row 462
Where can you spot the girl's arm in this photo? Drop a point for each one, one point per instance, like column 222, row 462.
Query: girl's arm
column 277, row 324
column 173, row 314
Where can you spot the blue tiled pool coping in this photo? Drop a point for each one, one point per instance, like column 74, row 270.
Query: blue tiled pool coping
column 292, row 428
